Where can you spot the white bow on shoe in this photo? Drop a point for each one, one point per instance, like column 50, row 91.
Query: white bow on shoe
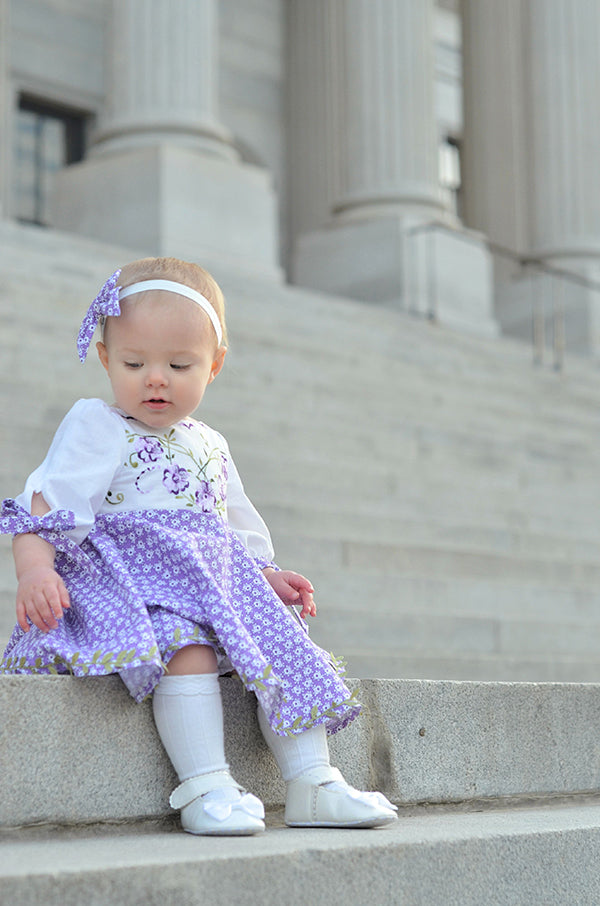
column 322, row 798
column 373, row 799
column 216, row 805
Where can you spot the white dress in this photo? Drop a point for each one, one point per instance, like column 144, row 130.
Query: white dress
column 160, row 548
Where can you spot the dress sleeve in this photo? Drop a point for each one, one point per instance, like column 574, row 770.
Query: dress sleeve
column 79, row 466
column 246, row 521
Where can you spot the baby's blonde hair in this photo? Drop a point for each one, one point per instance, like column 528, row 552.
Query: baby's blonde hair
column 181, row 272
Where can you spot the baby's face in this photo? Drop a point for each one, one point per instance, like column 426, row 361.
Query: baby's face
column 160, row 355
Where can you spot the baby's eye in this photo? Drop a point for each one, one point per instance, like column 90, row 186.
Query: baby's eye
column 179, row 367
column 132, row 364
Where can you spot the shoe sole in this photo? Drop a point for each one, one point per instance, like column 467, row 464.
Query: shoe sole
column 369, row 822
column 226, row 832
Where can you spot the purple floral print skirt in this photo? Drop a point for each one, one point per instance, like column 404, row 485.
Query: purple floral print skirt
column 145, row 584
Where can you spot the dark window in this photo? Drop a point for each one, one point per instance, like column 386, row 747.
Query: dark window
column 47, row 138
column 450, row 173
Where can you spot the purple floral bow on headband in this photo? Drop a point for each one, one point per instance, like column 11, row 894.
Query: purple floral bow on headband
column 105, row 304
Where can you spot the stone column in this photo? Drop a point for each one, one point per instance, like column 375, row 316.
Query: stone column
column 495, row 180
column 6, row 103
column 563, row 40
column 162, row 83
column 386, row 143
column 532, row 145
column 162, row 175
column 363, row 99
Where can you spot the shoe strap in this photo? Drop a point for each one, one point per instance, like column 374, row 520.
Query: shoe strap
column 195, row 787
column 320, row 775
column 325, row 775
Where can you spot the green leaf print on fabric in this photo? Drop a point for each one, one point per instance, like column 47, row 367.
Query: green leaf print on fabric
column 108, row 661
column 161, row 460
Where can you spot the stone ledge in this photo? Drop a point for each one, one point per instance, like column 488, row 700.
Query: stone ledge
column 538, row 856
column 80, row 750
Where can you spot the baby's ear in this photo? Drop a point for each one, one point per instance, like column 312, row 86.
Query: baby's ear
column 217, row 363
column 102, row 353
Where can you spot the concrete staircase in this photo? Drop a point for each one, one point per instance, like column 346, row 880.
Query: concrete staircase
column 498, row 786
column 443, row 497
column 440, row 492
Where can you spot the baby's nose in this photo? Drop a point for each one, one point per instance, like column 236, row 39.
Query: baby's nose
column 156, row 377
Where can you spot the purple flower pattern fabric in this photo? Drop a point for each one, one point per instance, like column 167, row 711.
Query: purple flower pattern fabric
column 145, row 583
column 148, row 449
column 175, row 479
column 105, row 304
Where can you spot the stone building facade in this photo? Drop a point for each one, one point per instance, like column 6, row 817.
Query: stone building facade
column 317, row 141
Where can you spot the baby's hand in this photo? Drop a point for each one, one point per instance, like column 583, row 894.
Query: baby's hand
column 42, row 596
column 292, row 588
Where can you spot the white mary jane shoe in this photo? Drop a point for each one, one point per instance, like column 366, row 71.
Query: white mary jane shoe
column 322, row 798
column 216, row 805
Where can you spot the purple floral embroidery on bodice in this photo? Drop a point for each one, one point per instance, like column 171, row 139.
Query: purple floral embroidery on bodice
column 148, row 449
column 184, row 466
column 175, row 479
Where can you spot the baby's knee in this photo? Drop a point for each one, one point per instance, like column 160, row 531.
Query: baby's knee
column 193, row 659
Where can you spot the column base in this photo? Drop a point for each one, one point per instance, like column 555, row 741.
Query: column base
column 166, row 200
column 552, row 312
column 436, row 271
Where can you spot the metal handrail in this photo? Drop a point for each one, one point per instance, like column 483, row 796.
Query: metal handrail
column 527, row 263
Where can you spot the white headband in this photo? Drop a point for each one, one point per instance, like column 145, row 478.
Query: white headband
column 182, row 290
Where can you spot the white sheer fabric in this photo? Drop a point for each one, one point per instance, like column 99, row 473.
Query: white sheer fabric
column 102, row 461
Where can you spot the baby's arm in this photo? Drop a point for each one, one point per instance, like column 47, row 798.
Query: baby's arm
column 41, row 594
column 250, row 528
column 292, row 588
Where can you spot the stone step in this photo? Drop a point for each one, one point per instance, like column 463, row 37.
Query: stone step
column 541, row 856
column 357, row 564
column 457, row 487
column 450, row 635
column 446, row 532
column 418, row 425
column 453, row 604
column 367, row 411
column 439, row 563
column 379, row 402
column 408, row 643
column 92, row 754
column 346, row 593
column 364, row 662
column 539, row 512
column 488, row 498
column 455, row 517
column 502, row 778
column 350, row 573
column 462, row 382
column 79, row 263
column 546, row 640
column 410, row 452
column 440, row 645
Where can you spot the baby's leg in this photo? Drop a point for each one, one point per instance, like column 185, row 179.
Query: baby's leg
column 317, row 794
column 295, row 755
column 193, row 659
column 188, row 712
column 189, row 719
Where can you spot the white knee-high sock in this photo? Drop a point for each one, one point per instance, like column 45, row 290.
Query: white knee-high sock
column 295, row 755
column 189, row 719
